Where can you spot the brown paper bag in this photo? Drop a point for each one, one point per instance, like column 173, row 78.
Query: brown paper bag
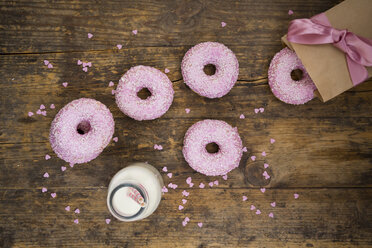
column 327, row 64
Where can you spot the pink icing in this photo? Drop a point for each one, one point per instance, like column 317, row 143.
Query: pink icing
column 87, row 114
column 137, row 78
column 281, row 83
column 211, row 86
column 212, row 164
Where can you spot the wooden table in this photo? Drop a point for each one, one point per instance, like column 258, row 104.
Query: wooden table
column 323, row 151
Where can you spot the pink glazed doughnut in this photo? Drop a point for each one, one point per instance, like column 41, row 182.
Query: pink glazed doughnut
column 217, row 54
column 81, row 130
column 140, row 77
column 283, row 86
column 212, row 131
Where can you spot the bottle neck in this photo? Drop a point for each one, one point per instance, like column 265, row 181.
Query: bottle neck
column 135, row 192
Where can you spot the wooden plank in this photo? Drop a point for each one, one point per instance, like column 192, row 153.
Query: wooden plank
column 44, row 85
column 318, row 218
column 64, row 25
column 308, row 153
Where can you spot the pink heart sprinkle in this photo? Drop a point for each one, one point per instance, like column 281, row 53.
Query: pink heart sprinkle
column 187, row 110
column 85, row 64
column 273, row 204
column 174, row 186
column 135, row 31
column 271, row 215
column 245, row 198
column 44, row 190
column 266, row 165
column 242, row 116
column 224, row 177
column 47, row 157
column 113, row 92
column 46, row 62
column 263, row 190
column 115, row 139
column 253, row 207
column 184, row 223
column 160, row 147
column 263, row 153
column 111, row 84
column 52, row 106
column 30, row 114
column 191, row 185
column 223, row 24
column 258, row 211
column 185, row 193
column 50, row 66
column 76, row 221
column 215, row 182
column 46, row 175
column 89, row 64
column 77, row 211
column 54, row 195
column 108, row 221
column 266, row 175
column 256, row 110
column 119, row 46
column 164, row 189
column 253, row 158
column 38, row 112
column 85, row 69
column 65, row 84
column 67, row 208
column 166, row 70
column 188, row 180
column 180, row 207
column 63, row 168
column 184, row 201
column 296, row 196
column 272, row 141
column 201, row 185
column 290, row 12
column 42, row 106
column 165, row 169
column 244, row 149
column 170, row 175
column 72, row 165
column 44, row 113
column 90, row 35
column 79, row 62
column 210, row 184
column 187, row 219
column 200, row 224
column 262, row 110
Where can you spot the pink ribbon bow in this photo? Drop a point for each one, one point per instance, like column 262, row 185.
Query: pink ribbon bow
column 318, row 30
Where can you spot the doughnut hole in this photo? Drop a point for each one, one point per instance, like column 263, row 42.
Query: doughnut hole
column 212, row 148
column 144, row 93
column 297, row 74
column 209, row 69
column 83, row 127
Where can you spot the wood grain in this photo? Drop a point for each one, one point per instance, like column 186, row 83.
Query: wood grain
column 43, row 26
column 323, row 151
column 319, row 218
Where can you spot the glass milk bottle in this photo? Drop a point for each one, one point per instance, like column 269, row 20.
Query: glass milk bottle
column 134, row 192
